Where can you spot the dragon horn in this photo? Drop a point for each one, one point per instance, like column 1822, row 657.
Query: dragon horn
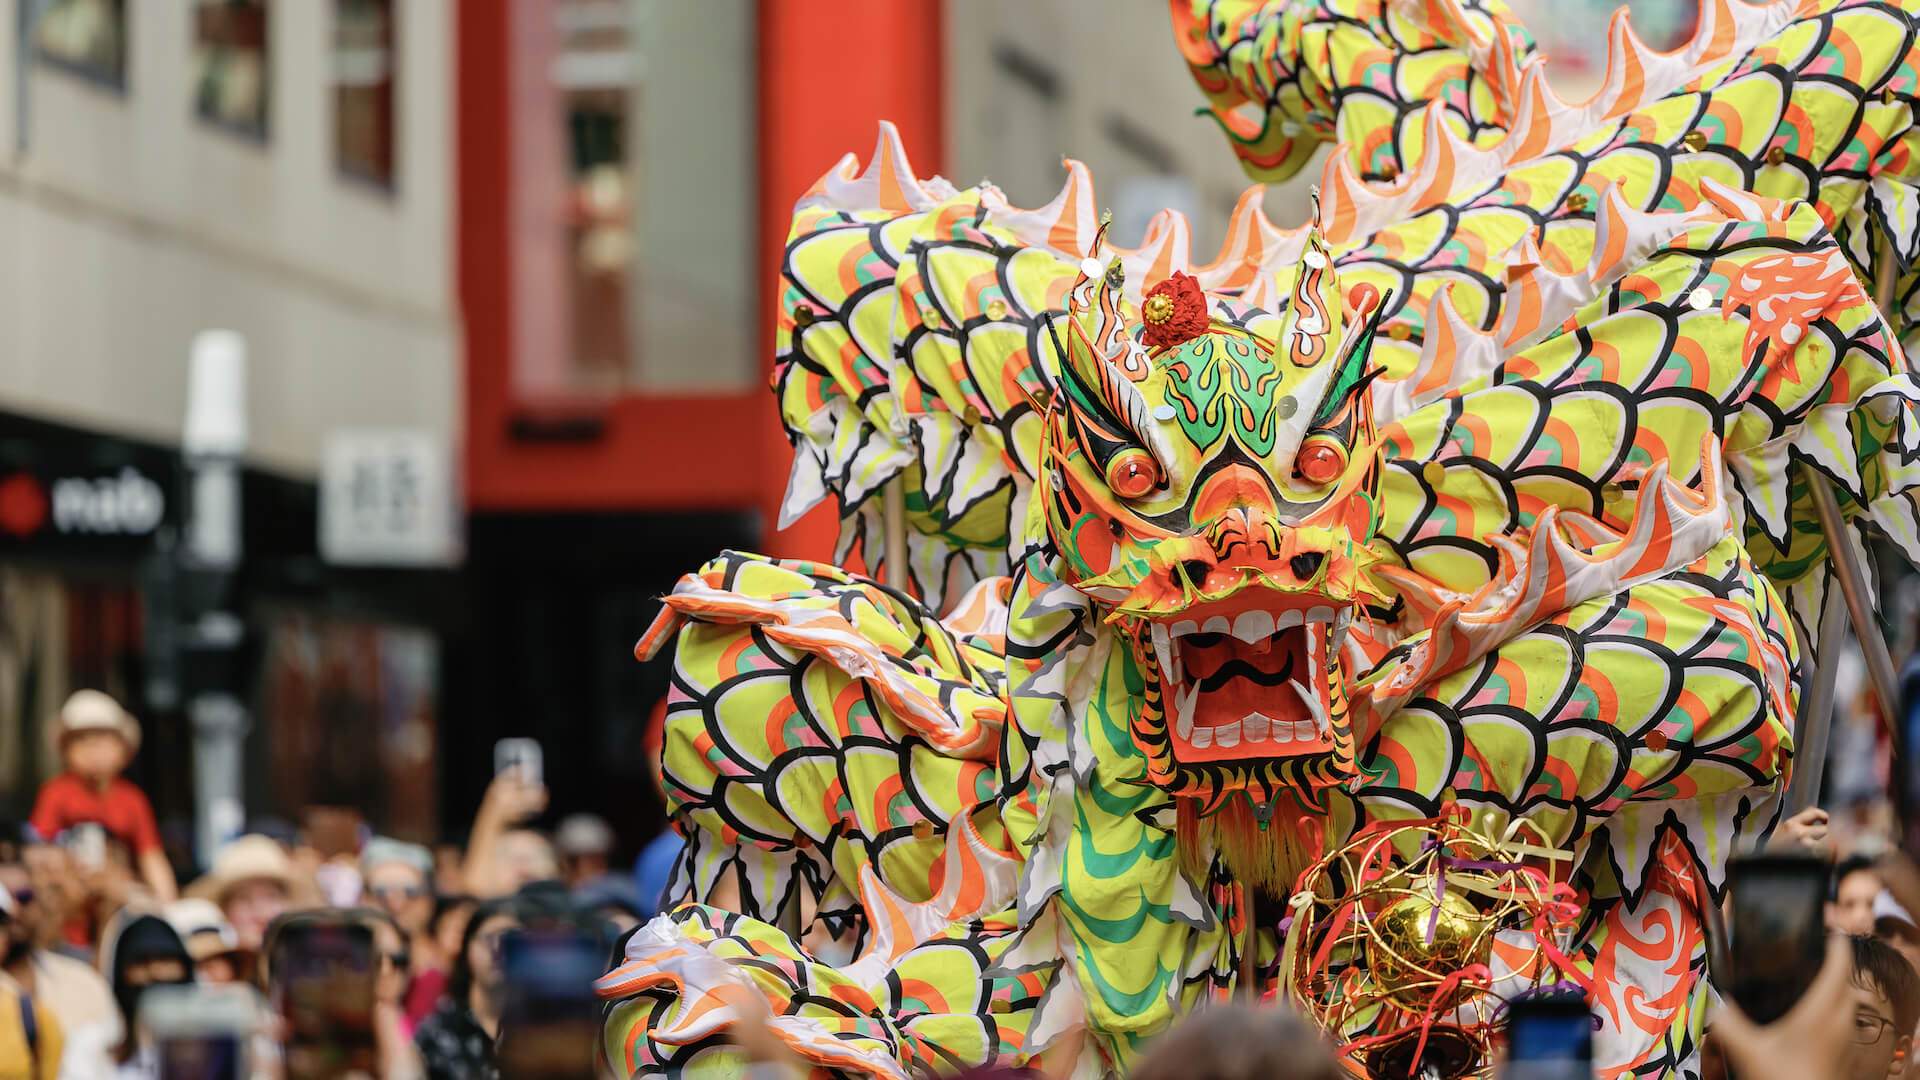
column 1096, row 328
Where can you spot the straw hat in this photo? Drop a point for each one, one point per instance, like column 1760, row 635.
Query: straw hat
column 91, row 710
column 249, row 858
column 200, row 924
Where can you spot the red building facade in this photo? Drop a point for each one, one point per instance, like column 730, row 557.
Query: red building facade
column 587, row 499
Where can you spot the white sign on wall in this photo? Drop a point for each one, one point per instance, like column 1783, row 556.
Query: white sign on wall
column 387, row 499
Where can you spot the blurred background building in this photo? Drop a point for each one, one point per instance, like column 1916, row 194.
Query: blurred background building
column 1102, row 83
column 285, row 170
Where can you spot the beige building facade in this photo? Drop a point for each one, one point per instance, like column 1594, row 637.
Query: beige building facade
column 135, row 211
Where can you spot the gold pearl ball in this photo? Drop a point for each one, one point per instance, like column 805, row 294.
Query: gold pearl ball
column 1400, row 957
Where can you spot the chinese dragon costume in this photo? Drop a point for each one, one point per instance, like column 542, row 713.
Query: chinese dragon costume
column 1482, row 496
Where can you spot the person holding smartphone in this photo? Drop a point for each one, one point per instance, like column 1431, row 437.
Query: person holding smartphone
column 457, row 1041
column 502, row 854
column 90, row 806
column 1853, row 1023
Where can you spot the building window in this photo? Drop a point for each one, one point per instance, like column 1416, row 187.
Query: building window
column 87, row 36
column 231, row 53
column 595, row 75
column 363, row 88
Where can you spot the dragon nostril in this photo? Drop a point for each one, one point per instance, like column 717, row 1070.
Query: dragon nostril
column 1196, row 570
column 1306, row 564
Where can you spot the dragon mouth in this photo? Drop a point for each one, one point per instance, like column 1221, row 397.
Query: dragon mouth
column 1250, row 683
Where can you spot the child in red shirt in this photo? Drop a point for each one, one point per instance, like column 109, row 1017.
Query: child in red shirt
column 97, row 740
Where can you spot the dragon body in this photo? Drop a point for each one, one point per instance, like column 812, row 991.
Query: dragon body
column 1485, row 491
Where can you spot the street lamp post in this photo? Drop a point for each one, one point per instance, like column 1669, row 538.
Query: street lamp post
column 212, row 445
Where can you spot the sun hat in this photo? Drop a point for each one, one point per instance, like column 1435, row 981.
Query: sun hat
column 201, row 924
column 91, row 710
column 248, row 858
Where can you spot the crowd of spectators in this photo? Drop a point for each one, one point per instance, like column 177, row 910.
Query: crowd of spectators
column 91, row 915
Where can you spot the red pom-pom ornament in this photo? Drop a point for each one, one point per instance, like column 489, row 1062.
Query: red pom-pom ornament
column 1173, row 311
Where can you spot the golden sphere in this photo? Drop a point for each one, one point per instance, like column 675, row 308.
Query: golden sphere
column 1402, row 928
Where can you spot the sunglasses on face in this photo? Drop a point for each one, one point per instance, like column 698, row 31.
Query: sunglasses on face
column 398, row 892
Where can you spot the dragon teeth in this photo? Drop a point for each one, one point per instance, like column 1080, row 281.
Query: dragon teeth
column 1201, row 738
column 1184, row 700
column 1163, row 650
column 1303, row 730
column 1185, row 627
column 1286, row 620
column 1314, row 708
column 1227, row 735
column 1253, row 626
column 1254, row 727
column 1217, row 625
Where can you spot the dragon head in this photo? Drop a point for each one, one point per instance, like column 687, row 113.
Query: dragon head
column 1210, row 483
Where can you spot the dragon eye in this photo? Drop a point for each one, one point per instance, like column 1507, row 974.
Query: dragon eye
column 1132, row 473
column 1322, row 459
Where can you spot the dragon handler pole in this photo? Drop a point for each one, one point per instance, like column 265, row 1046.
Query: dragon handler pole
column 1816, row 710
column 893, row 527
column 1853, row 586
column 1248, row 961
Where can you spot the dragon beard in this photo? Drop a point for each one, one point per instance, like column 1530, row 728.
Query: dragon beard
column 1246, row 704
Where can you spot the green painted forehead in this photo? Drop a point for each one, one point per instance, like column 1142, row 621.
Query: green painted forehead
column 1222, row 382
column 1233, row 385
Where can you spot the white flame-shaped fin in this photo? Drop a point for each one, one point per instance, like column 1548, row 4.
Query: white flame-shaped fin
column 1454, row 354
column 975, row 880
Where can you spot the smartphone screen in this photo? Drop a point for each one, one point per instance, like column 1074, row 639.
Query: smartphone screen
column 521, row 756
column 1549, row 1038
column 87, row 841
column 323, row 987
column 201, row 1032
column 552, row 1015
column 1777, row 930
column 201, row 1057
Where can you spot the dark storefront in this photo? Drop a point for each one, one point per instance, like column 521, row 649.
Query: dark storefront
column 555, row 605
column 343, row 669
